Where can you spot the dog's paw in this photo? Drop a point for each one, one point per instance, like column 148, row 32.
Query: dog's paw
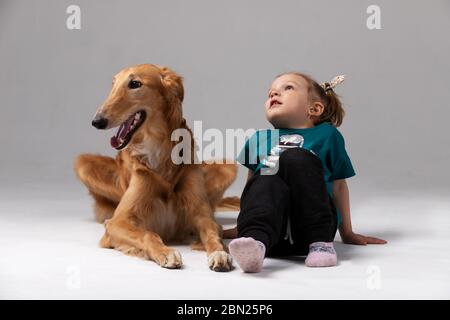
column 220, row 261
column 170, row 260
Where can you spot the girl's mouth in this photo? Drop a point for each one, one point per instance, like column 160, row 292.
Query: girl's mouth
column 274, row 104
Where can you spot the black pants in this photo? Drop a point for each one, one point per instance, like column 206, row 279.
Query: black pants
column 298, row 193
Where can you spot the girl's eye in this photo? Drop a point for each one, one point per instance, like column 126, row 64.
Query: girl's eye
column 289, row 87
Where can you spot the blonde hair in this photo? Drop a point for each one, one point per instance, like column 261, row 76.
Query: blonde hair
column 333, row 110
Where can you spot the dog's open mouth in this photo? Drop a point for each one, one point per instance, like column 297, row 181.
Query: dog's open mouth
column 126, row 130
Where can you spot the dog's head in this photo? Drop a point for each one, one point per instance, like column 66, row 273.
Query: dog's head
column 138, row 94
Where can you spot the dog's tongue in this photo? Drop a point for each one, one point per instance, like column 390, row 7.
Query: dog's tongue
column 114, row 142
column 121, row 133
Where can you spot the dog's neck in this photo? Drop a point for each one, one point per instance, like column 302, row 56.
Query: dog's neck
column 148, row 152
column 154, row 151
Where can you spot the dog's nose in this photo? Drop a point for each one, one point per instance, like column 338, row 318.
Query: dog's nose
column 100, row 122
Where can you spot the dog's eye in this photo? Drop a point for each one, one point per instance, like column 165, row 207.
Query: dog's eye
column 134, row 84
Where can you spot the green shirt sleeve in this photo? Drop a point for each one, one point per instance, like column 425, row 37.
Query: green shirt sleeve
column 248, row 156
column 340, row 164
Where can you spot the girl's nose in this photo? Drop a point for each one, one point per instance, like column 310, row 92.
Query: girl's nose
column 274, row 93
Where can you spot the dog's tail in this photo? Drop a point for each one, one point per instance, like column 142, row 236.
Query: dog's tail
column 229, row 204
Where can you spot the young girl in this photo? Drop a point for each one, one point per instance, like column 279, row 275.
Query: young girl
column 296, row 196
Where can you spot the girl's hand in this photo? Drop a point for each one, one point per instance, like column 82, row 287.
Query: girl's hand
column 354, row 238
column 230, row 233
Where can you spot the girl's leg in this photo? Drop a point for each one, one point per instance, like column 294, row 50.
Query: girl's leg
column 312, row 220
column 260, row 222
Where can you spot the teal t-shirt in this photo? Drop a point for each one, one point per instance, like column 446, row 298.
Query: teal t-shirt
column 324, row 140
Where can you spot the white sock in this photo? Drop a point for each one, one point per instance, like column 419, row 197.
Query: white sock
column 248, row 253
column 321, row 254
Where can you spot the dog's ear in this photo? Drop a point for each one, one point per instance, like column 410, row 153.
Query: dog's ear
column 173, row 84
column 173, row 87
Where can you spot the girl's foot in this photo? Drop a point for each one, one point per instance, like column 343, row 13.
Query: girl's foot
column 248, row 253
column 321, row 254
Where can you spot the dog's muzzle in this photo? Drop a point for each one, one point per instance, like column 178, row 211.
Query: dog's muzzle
column 100, row 122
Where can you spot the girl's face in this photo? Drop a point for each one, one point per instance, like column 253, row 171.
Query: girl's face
column 287, row 103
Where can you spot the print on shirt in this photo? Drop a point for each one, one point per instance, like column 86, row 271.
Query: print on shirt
column 287, row 141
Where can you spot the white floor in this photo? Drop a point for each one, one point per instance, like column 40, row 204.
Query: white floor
column 48, row 243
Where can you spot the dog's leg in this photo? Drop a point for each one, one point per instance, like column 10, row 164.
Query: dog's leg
column 103, row 208
column 126, row 229
column 100, row 175
column 194, row 200
column 210, row 235
column 120, row 232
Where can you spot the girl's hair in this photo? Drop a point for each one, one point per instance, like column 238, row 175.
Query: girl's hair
column 333, row 111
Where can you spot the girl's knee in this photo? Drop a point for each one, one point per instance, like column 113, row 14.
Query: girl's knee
column 299, row 156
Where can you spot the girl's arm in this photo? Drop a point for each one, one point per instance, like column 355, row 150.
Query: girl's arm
column 232, row 233
column 342, row 201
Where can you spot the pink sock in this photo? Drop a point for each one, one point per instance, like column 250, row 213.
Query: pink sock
column 248, row 253
column 321, row 254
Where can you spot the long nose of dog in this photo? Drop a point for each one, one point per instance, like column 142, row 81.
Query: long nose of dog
column 100, row 122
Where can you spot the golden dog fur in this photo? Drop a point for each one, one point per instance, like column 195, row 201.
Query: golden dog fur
column 143, row 198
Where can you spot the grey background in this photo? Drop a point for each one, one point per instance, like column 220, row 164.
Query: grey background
column 396, row 97
column 396, row 94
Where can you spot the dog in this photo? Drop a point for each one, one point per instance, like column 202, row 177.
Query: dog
column 143, row 198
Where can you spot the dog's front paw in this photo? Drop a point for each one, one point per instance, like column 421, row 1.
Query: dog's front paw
column 170, row 260
column 220, row 261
